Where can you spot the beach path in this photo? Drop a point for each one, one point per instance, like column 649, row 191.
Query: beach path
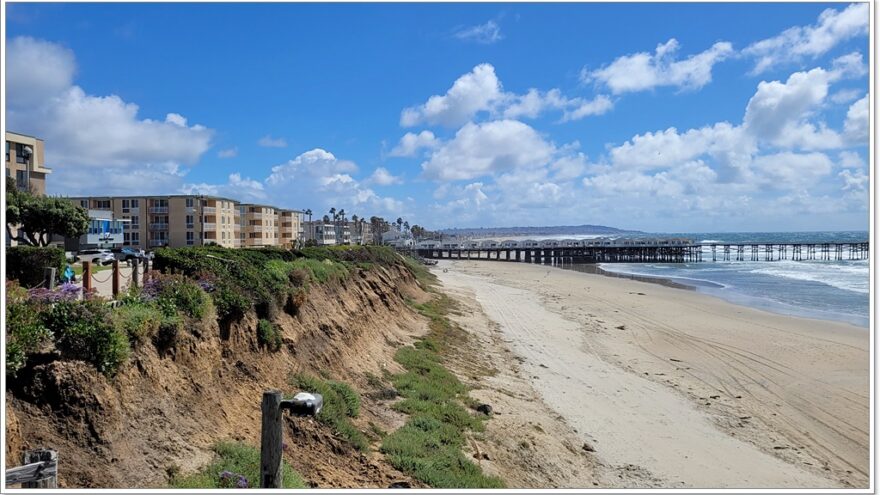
column 697, row 391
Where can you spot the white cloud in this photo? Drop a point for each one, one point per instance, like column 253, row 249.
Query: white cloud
column 794, row 44
column 487, row 33
column 411, row 143
column 228, row 152
column 597, row 106
column 383, row 177
column 642, row 71
column 488, row 148
column 268, row 141
column 796, row 171
column 845, row 96
column 236, row 187
column 474, row 92
column 850, row 159
column 856, row 125
column 83, row 130
column 316, row 163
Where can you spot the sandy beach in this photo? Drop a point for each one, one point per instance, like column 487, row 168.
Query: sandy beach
column 685, row 389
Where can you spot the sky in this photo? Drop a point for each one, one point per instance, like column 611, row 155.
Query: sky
column 657, row 117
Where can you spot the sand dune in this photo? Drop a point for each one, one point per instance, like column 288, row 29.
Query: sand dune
column 697, row 391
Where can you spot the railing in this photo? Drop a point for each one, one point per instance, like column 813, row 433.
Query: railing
column 255, row 228
column 209, row 210
column 158, row 209
column 158, row 226
column 40, row 470
column 209, row 226
column 158, row 242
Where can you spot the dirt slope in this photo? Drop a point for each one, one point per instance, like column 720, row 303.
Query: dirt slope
column 162, row 413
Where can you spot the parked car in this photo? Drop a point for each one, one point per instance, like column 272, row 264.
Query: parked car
column 128, row 253
column 98, row 256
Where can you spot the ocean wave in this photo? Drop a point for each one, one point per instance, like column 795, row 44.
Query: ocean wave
column 851, row 277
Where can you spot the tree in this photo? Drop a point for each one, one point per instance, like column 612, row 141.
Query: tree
column 399, row 223
column 39, row 217
column 326, row 219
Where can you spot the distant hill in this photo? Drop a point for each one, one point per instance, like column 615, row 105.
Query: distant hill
column 536, row 231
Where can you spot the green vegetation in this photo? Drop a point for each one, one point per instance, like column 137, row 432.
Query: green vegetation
column 26, row 264
column 321, row 271
column 268, row 335
column 428, row 446
column 234, row 462
column 140, row 321
column 340, row 404
column 38, row 217
column 178, row 293
column 84, row 330
column 25, row 332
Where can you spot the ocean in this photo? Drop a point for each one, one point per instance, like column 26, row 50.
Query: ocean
column 829, row 290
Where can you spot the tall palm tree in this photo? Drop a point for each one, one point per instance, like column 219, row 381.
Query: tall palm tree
column 399, row 223
column 354, row 221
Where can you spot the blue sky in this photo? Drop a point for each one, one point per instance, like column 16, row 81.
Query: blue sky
column 659, row 117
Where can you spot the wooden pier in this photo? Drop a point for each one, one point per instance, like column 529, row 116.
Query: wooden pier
column 660, row 253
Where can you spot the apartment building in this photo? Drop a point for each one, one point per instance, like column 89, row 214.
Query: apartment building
column 25, row 162
column 150, row 222
column 323, row 233
column 290, row 227
column 260, row 225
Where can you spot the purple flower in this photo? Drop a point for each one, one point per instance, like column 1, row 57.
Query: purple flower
column 65, row 292
column 225, row 475
column 242, row 482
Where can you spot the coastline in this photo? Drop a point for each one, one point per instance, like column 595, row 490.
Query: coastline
column 693, row 390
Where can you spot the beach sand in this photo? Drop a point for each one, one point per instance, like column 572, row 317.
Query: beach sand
column 679, row 388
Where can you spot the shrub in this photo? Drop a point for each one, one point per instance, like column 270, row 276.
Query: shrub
column 236, row 465
column 166, row 335
column 268, row 335
column 337, row 408
column 322, row 271
column 83, row 330
column 175, row 293
column 139, row 321
column 230, row 302
column 27, row 263
column 25, row 333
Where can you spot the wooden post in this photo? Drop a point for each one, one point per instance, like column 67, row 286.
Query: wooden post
column 87, row 276
column 135, row 264
column 49, row 277
column 270, row 443
column 42, row 455
column 115, row 278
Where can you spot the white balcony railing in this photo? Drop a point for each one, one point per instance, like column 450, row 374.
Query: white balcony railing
column 209, row 210
column 209, row 226
column 255, row 216
column 158, row 209
column 158, row 226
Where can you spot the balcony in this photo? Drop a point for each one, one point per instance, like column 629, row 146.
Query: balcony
column 158, row 242
column 158, row 226
column 158, row 209
column 255, row 216
column 209, row 226
column 255, row 228
column 209, row 210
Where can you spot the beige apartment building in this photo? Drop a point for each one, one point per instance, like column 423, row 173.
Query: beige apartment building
column 259, row 225
column 151, row 222
column 25, row 162
column 290, row 227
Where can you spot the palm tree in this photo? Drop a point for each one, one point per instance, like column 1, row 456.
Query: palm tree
column 399, row 223
column 326, row 219
column 354, row 221
column 309, row 213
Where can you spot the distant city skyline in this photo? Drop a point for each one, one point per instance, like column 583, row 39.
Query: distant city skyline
column 651, row 117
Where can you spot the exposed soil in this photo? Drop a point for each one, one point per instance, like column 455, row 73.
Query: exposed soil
column 164, row 411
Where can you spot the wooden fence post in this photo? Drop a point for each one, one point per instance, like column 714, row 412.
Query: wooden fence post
column 115, row 278
column 87, row 276
column 134, row 271
column 42, row 455
column 270, row 442
column 49, row 277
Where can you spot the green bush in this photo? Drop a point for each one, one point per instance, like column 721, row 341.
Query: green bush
column 139, row 321
column 178, row 293
column 27, row 263
column 236, row 459
column 84, row 330
column 231, row 304
column 338, row 407
column 322, row 271
column 169, row 329
column 268, row 335
column 25, row 333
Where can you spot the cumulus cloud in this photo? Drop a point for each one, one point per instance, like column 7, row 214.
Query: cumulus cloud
column 83, row 130
column 268, row 141
column 488, row 148
column 480, row 92
column 474, row 92
column 381, row 176
column 642, row 71
column 410, row 144
column 796, row 43
column 243, row 189
column 856, row 124
column 487, row 33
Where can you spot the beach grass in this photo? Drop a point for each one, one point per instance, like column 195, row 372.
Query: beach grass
column 233, row 462
column 341, row 403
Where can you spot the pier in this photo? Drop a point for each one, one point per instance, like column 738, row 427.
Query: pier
column 635, row 251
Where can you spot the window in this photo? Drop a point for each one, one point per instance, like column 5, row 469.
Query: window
column 21, row 180
column 189, row 202
column 223, row 235
column 135, row 237
column 135, row 220
column 102, row 204
column 135, row 203
column 125, row 205
column 19, row 153
column 190, row 239
column 126, row 239
column 7, row 151
column 84, row 203
column 189, row 221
